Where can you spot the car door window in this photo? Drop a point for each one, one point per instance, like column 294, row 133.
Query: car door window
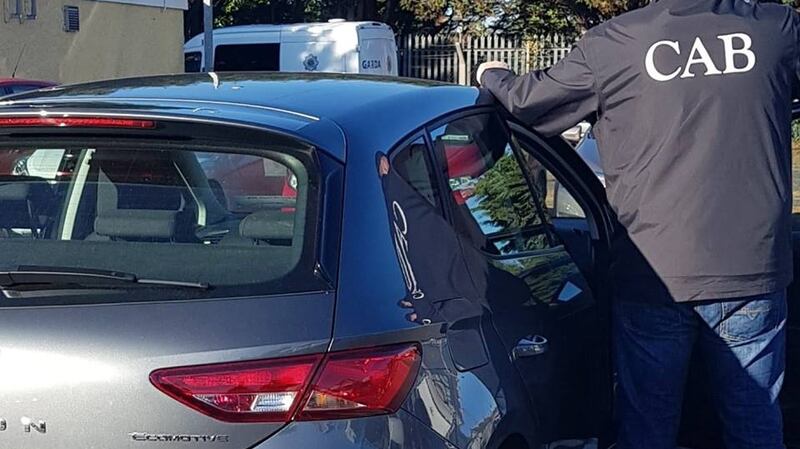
column 557, row 200
column 493, row 201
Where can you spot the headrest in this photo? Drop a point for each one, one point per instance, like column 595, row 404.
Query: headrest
column 21, row 188
column 268, row 225
column 137, row 224
column 15, row 191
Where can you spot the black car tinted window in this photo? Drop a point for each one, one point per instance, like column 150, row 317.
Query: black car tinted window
column 493, row 202
column 239, row 222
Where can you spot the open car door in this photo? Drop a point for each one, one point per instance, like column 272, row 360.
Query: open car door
column 790, row 398
column 580, row 313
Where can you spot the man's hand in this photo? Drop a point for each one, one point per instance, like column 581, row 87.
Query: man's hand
column 489, row 65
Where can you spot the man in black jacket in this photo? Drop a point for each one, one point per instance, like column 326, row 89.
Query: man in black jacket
column 692, row 102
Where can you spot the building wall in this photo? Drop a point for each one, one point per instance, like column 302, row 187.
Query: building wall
column 115, row 40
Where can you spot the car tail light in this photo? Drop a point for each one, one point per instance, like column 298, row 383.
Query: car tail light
column 362, row 383
column 259, row 391
column 74, row 122
column 346, row 384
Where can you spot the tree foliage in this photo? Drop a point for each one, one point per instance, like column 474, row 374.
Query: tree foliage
column 505, row 197
column 518, row 17
column 245, row 12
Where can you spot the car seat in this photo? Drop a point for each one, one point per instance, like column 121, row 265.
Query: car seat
column 130, row 210
column 26, row 203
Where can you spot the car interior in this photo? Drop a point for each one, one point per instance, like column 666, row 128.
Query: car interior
column 161, row 201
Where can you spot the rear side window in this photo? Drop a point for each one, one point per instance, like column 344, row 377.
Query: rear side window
column 247, row 58
column 242, row 223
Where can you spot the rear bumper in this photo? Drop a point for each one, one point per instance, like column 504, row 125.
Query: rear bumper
column 397, row 431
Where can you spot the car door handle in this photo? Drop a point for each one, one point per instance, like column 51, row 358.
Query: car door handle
column 531, row 346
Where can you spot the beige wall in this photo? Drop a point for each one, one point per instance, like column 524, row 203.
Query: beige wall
column 115, row 40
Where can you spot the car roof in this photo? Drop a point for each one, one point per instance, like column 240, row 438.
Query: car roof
column 327, row 110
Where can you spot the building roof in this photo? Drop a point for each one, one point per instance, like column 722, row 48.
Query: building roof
column 166, row 4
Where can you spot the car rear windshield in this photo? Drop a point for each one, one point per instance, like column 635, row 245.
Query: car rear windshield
column 231, row 222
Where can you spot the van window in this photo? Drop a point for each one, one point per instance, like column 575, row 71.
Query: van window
column 247, row 58
column 240, row 223
column 193, row 62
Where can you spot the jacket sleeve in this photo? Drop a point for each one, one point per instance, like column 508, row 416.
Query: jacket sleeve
column 551, row 100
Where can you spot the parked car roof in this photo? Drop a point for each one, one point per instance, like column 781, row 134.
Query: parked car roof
column 315, row 107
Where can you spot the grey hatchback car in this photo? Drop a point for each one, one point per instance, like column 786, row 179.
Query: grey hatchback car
column 295, row 261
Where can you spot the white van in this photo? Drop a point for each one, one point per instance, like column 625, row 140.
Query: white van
column 334, row 46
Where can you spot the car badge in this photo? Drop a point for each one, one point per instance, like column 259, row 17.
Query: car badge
column 311, row 63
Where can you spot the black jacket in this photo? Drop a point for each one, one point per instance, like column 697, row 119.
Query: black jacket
column 692, row 100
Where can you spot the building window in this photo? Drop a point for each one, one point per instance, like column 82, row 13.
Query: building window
column 19, row 9
column 72, row 19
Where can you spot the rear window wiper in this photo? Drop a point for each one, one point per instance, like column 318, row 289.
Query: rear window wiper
column 46, row 278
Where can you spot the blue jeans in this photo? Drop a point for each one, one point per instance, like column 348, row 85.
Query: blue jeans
column 743, row 344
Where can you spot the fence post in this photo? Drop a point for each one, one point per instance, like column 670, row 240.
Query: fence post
column 407, row 56
column 468, row 62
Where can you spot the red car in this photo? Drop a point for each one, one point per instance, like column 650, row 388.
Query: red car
column 10, row 86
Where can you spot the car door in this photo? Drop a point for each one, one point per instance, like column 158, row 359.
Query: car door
column 790, row 398
column 542, row 305
column 468, row 390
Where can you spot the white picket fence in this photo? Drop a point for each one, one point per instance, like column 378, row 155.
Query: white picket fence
column 455, row 58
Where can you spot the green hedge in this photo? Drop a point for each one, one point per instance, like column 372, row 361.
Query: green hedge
column 796, row 133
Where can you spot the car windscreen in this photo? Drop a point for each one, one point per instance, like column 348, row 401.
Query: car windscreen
column 233, row 222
